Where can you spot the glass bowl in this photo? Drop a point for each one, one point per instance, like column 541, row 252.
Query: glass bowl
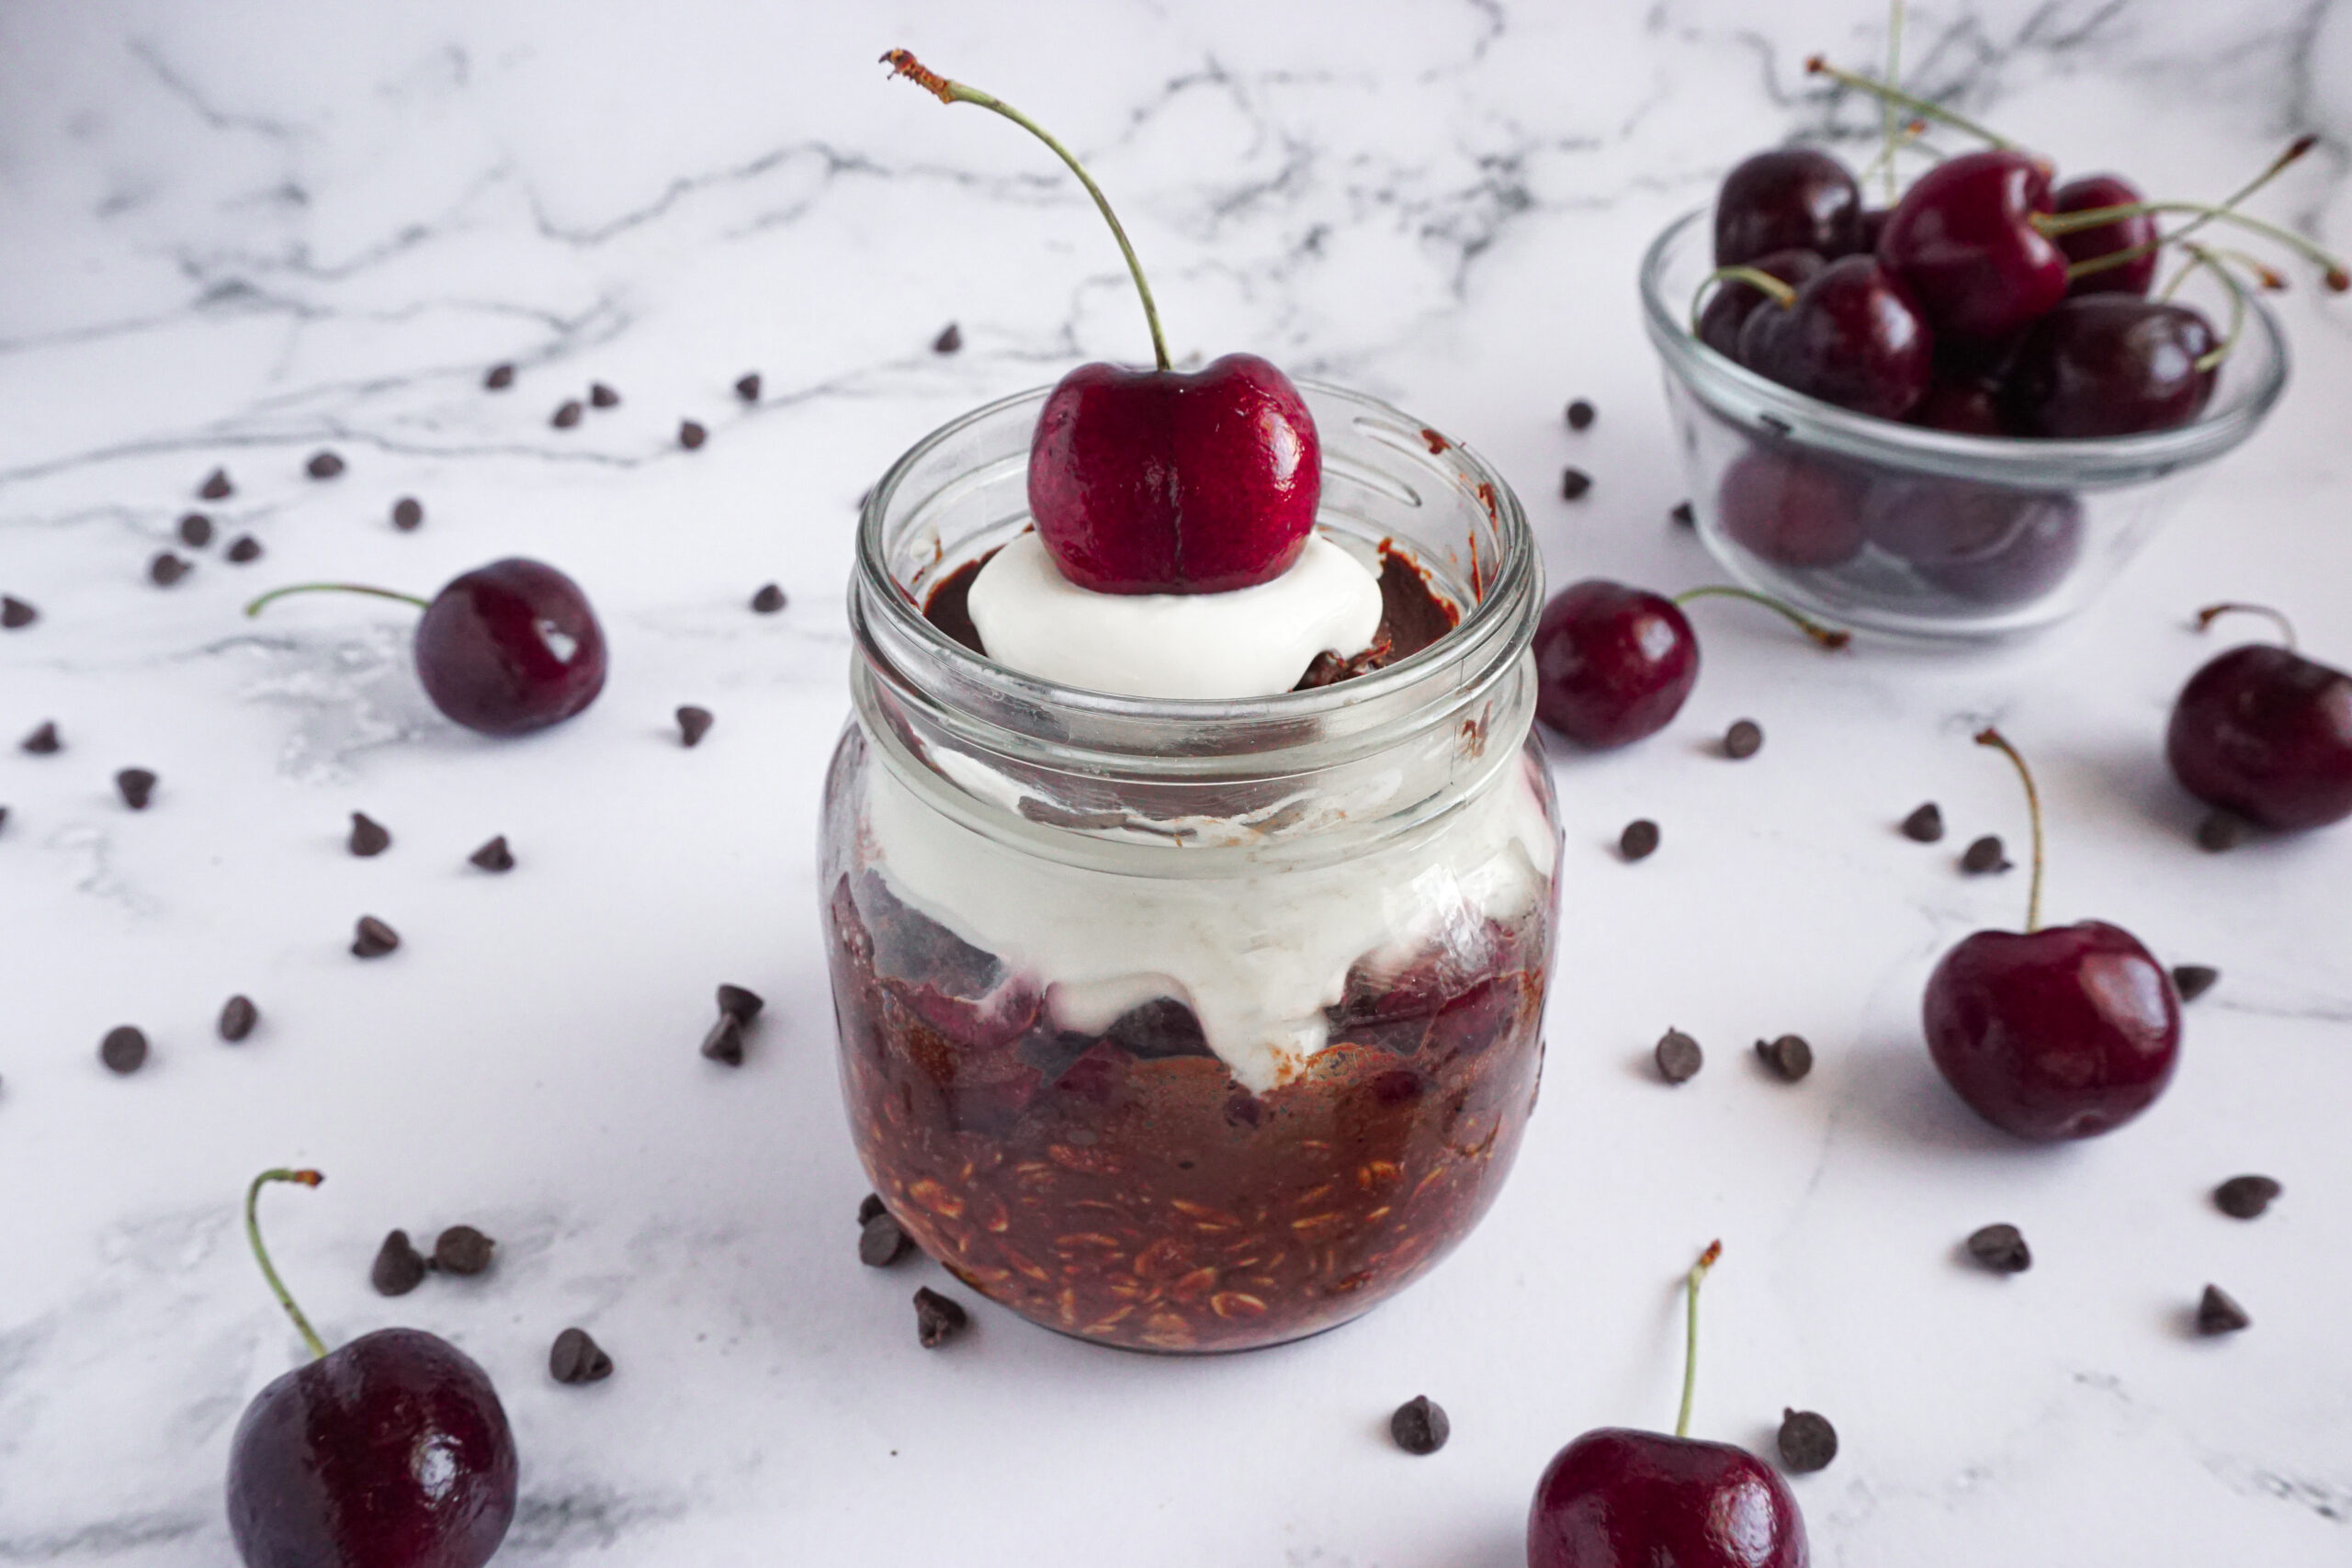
column 1919, row 532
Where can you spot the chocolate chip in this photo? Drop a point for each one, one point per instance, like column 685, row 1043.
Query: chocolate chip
column 739, row 1004
column 1419, row 1425
column 1683, row 515
column 1574, row 482
column 768, row 599
column 42, row 741
column 869, row 1206
column 690, row 435
column 246, row 549
column 399, row 1267
column 949, row 341
column 324, row 465
column 195, row 530
column 2001, row 1249
column 2244, row 1197
column 881, row 1242
column 500, row 377
column 408, row 515
column 1985, row 856
column 1808, row 1442
column 375, row 939
column 937, row 1319
column 2193, row 980
column 368, row 836
column 2218, row 1312
column 1678, row 1056
column 1639, row 841
column 603, row 397
column 124, row 1050
column 216, row 486
column 1743, row 739
column 238, row 1016
column 2223, row 830
column 576, row 1358
column 724, row 1040
column 694, row 723
column 1926, row 825
column 1580, row 415
column 164, row 569
column 137, row 787
column 15, row 613
column 461, row 1250
column 567, row 414
column 494, row 855
column 748, row 386
column 1789, row 1056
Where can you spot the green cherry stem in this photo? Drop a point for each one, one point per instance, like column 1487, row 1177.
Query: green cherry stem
column 2295, row 150
column 1828, row 637
column 1773, row 289
column 2337, row 276
column 902, row 63
column 255, row 608
column 2213, row 262
column 1990, row 736
column 1819, row 66
column 1691, row 1333
column 261, row 1254
column 2206, row 617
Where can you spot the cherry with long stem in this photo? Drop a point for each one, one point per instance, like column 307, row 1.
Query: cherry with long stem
column 2211, row 612
column 2124, row 257
column 1828, row 637
column 1993, row 737
column 261, row 1254
column 2333, row 270
column 256, row 607
column 1691, row 1283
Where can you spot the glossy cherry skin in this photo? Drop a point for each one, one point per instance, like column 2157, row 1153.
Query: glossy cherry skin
column 1792, row 510
column 1612, row 664
column 1961, row 241
column 2267, row 733
column 1853, row 338
column 1616, row 1498
column 1790, row 199
column 2083, row 194
column 1156, row 481
column 2063, row 1032
column 1728, row 306
column 510, row 647
column 389, row 1452
column 2109, row 364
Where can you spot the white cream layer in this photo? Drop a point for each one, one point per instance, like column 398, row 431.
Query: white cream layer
column 1250, row 642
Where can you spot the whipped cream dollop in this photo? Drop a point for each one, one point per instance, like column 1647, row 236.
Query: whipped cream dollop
column 1249, row 642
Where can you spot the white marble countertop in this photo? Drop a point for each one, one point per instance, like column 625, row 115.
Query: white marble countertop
column 232, row 235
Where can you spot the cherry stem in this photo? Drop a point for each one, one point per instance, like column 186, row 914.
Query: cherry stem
column 902, row 63
column 255, row 608
column 2333, row 270
column 1691, row 1333
column 261, row 1254
column 2206, row 617
column 2295, row 150
column 1828, row 637
column 1896, row 96
column 1763, row 282
column 1990, row 736
column 1887, row 106
column 2212, row 262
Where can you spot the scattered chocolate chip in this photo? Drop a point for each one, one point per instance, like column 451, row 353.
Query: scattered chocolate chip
column 137, row 787
column 1808, row 1442
column 739, row 1004
column 238, row 1016
column 164, row 569
column 724, row 1040
column 949, row 341
column 1683, row 515
column 869, row 1206
column 494, row 855
column 690, row 435
column 1678, row 1056
column 576, row 1358
column 124, row 1050
column 2001, row 1249
column 1574, row 482
column 195, row 530
column 1419, row 1425
column 324, row 465
column 368, row 836
column 748, row 388
column 500, row 377
column 246, row 549
column 694, row 723
column 1743, row 739
column 881, row 1242
column 1985, row 856
column 399, row 1267
column 567, row 414
column 1925, row 826
column 461, row 1250
column 1639, row 841
column 216, row 486
column 768, row 599
column 2219, row 1312
column 937, row 1319
column 408, row 515
column 1789, row 1056
column 2223, row 830
column 375, row 939
column 1580, row 414
column 15, row 613
column 2193, row 980
column 2244, row 1197
column 603, row 397
column 42, row 741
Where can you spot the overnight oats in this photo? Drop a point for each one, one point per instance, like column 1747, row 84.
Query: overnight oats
column 1174, row 1019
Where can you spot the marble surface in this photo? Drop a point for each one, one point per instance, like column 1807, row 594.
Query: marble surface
column 234, row 233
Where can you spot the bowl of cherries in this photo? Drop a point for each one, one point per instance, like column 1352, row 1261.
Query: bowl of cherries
column 1958, row 414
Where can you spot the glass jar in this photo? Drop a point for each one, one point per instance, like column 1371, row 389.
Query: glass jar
column 1191, row 1025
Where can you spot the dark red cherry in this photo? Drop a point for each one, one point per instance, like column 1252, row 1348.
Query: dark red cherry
column 2088, row 191
column 1727, row 307
column 1612, row 664
column 1962, row 405
column 1983, row 543
column 1789, row 199
column 1793, row 510
column 1961, row 240
column 1853, row 338
column 2110, row 365
column 1873, row 224
column 2267, row 733
column 2056, row 1034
